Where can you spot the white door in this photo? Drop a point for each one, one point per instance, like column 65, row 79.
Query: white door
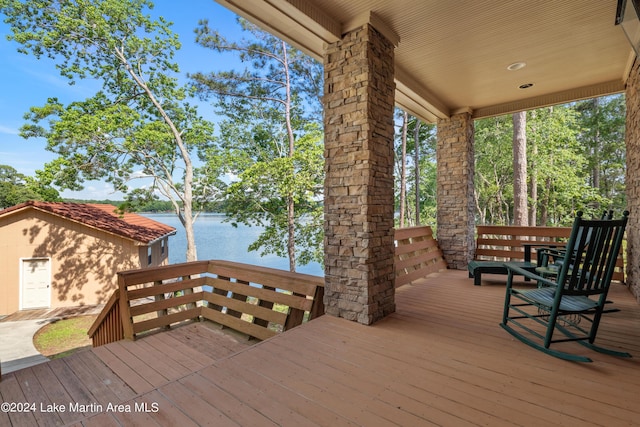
column 36, row 283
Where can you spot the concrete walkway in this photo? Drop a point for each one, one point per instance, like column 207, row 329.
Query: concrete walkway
column 17, row 330
column 16, row 344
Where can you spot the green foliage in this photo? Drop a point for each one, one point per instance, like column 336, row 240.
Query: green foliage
column 139, row 125
column 601, row 133
column 16, row 188
column 576, row 153
column 493, row 169
column 271, row 141
column 259, row 197
column 426, row 169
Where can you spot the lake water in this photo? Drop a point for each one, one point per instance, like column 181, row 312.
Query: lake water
column 216, row 239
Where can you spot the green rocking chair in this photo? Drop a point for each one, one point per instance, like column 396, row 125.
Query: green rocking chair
column 550, row 259
column 573, row 300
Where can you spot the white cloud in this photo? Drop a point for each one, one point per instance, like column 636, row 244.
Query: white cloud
column 94, row 190
column 138, row 175
column 9, row 130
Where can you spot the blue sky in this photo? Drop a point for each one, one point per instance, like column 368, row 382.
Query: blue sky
column 27, row 82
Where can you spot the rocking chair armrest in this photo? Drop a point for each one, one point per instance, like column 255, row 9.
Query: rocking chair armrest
column 543, row 247
column 547, row 255
column 514, row 268
column 552, row 251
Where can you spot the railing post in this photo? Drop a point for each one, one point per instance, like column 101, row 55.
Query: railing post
column 317, row 309
column 265, row 304
column 218, row 292
column 236, row 296
column 295, row 316
column 160, row 297
column 125, row 309
column 189, row 291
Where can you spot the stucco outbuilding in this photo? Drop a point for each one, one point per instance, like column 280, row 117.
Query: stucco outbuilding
column 66, row 254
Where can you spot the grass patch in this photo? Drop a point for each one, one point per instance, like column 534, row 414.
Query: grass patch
column 63, row 337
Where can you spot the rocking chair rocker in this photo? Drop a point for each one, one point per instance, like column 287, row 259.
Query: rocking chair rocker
column 577, row 293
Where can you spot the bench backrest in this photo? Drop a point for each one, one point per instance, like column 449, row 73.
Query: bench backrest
column 506, row 243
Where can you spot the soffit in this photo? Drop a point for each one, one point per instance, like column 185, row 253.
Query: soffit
column 452, row 56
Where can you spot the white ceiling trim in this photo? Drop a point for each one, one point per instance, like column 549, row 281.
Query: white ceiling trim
column 418, row 100
column 601, row 89
column 305, row 26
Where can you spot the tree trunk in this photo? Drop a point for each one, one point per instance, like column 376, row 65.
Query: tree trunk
column 187, row 217
column 533, row 177
column 403, row 169
column 520, row 211
column 544, row 206
column 533, row 186
column 187, row 222
column 291, row 217
column 416, row 161
column 597, row 148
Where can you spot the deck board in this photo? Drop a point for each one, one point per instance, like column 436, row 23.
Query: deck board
column 292, row 400
column 143, row 366
column 31, row 387
column 201, row 411
column 170, row 415
column 179, row 354
column 11, row 392
column 117, row 385
column 427, row 364
column 56, row 393
column 122, row 370
column 261, row 402
column 233, row 407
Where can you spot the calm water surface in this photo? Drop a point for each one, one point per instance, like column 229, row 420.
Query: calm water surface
column 216, row 239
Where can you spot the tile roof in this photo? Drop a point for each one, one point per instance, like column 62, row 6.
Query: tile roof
column 103, row 217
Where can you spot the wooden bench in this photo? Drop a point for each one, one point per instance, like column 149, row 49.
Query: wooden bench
column 497, row 244
column 477, row 268
column 256, row 301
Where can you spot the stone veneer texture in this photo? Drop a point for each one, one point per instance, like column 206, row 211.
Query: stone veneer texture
column 359, row 203
column 633, row 179
column 456, row 205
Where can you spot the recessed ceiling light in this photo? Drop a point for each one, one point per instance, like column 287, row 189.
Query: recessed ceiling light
column 516, row 66
column 525, row 86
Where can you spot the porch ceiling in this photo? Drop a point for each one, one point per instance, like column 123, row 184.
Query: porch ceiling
column 452, row 56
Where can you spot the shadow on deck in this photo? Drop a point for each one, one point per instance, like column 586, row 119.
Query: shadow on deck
column 427, row 364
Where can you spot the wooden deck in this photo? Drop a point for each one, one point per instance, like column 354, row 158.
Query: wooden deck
column 427, row 364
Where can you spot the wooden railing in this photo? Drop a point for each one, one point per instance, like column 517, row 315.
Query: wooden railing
column 257, row 301
column 108, row 325
column 508, row 243
column 417, row 254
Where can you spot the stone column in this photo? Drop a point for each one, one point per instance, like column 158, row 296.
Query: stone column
column 456, row 204
column 632, row 180
column 358, row 199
